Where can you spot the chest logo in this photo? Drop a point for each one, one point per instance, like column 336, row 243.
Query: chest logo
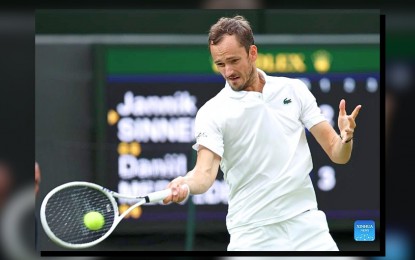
column 287, row 101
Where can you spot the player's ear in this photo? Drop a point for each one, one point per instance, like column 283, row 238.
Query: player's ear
column 253, row 53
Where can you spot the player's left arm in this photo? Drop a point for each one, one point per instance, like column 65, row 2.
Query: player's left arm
column 337, row 147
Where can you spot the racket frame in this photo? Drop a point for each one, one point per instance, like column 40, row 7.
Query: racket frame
column 151, row 197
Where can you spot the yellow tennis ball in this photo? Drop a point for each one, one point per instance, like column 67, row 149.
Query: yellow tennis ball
column 94, row 220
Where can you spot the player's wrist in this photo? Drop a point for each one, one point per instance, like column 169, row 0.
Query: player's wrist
column 185, row 186
column 347, row 141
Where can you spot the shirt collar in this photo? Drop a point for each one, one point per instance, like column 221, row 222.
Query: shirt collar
column 240, row 94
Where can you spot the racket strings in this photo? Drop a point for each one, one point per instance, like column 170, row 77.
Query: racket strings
column 65, row 212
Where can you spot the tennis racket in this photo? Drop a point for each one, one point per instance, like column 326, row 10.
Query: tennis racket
column 63, row 210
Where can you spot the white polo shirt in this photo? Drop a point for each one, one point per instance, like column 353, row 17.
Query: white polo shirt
column 261, row 139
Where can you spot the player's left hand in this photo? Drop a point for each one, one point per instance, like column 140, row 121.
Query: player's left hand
column 347, row 122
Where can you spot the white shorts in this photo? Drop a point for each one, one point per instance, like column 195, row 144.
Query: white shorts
column 305, row 232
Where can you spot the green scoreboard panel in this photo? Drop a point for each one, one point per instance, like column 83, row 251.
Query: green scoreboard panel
column 147, row 100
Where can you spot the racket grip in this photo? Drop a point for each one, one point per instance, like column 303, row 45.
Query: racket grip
column 158, row 195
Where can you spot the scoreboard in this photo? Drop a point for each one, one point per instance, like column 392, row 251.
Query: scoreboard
column 147, row 100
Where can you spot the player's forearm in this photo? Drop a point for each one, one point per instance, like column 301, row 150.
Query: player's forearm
column 199, row 181
column 341, row 152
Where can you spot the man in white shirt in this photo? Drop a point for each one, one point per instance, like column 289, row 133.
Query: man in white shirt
column 254, row 130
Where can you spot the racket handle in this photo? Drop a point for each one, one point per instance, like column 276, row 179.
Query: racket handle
column 158, row 195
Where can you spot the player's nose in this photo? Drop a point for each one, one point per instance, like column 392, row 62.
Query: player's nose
column 229, row 72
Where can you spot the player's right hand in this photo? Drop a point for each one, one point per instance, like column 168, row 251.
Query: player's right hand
column 180, row 191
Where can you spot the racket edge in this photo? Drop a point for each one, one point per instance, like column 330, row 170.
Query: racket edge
column 59, row 241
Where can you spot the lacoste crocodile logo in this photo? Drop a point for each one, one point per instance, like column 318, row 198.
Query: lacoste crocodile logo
column 287, row 101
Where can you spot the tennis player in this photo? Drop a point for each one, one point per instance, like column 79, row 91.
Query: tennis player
column 254, row 129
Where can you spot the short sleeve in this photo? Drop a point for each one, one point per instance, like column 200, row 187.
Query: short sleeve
column 208, row 131
column 310, row 112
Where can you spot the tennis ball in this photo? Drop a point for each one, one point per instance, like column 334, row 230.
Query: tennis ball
column 94, row 220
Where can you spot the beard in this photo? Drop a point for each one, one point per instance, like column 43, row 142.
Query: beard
column 245, row 84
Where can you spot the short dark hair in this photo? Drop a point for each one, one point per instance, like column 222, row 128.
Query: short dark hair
column 237, row 26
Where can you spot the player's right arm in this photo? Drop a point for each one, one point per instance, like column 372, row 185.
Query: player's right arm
column 199, row 180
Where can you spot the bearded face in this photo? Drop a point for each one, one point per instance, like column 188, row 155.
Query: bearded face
column 234, row 63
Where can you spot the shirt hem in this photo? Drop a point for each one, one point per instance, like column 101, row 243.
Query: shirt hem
column 268, row 221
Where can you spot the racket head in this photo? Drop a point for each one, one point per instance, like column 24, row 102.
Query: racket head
column 63, row 209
